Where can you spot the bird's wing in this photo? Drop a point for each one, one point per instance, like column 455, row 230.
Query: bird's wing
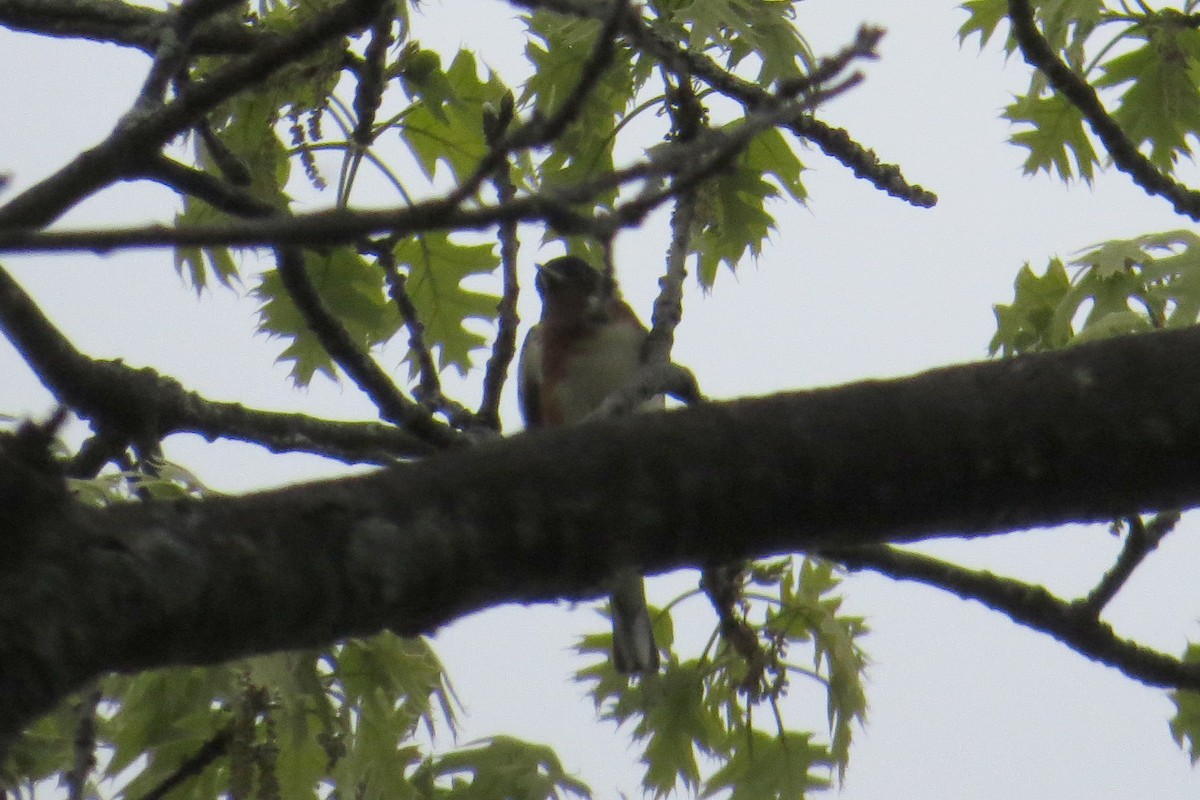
column 529, row 378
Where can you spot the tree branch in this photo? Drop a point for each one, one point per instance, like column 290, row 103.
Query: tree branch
column 1039, row 54
column 358, row 364
column 834, row 142
column 124, row 24
column 1141, row 540
column 128, row 404
column 138, row 137
column 1072, row 624
column 1086, row 434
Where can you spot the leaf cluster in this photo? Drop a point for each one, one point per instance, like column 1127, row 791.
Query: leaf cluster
column 1146, row 60
column 706, row 708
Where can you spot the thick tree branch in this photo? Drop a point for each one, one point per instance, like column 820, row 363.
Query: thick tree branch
column 124, row 24
column 128, row 404
column 1086, row 434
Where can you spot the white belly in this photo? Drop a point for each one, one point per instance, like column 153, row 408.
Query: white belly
column 600, row 364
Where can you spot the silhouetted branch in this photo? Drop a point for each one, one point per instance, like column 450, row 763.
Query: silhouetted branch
column 351, row 357
column 139, row 136
column 1125, row 154
column 1029, row 605
column 125, row 24
column 1140, row 541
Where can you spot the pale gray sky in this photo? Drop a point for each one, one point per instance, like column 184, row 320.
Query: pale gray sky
column 856, row 285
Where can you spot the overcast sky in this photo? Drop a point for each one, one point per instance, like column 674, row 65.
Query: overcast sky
column 856, row 285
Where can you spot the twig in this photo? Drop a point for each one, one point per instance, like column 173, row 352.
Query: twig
column 362, row 369
column 174, row 47
column 429, row 389
column 652, row 380
column 537, row 131
column 94, row 453
column 139, row 135
column 1028, row 605
column 84, row 745
column 687, row 116
column 1141, row 540
column 504, row 348
column 834, row 142
column 220, row 194
column 192, row 766
column 1039, row 54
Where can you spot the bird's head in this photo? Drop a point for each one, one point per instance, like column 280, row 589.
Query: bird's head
column 570, row 285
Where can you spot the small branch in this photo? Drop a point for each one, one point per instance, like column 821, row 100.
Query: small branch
column 220, row 194
column 504, row 349
column 1039, row 54
column 429, row 389
column 1141, row 540
column 1027, row 605
column 862, row 162
column 393, row 406
column 98, row 450
column 723, row 586
column 835, row 143
column 368, row 94
column 140, row 135
column 174, row 47
column 687, row 117
column 84, row 745
column 192, row 766
column 128, row 404
column 689, row 162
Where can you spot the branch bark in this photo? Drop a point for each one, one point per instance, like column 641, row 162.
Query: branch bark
column 1088, row 434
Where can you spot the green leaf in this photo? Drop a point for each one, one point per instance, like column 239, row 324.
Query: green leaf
column 351, row 289
column 437, row 270
column 45, row 748
column 1028, row 323
column 446, row 124
column 1185, row 725
column 197, row 263
column 167, row 716
column 769, row 767
column 558, row 49
column 741, row 28
column 407, row 671
column 503, row 767
column 676, row 725
column 1161, row 105
column 770, row 154
column 983, row 16
column 731, row 215
column 1055, row 139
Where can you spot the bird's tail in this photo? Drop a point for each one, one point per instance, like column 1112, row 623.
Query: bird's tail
column 634, row 648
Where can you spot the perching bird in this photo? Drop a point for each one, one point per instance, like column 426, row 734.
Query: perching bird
column 587, row 345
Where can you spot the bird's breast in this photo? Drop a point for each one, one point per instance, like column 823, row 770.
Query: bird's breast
column 592, row 368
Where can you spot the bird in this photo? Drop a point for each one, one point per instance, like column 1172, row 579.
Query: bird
column 586, row 345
